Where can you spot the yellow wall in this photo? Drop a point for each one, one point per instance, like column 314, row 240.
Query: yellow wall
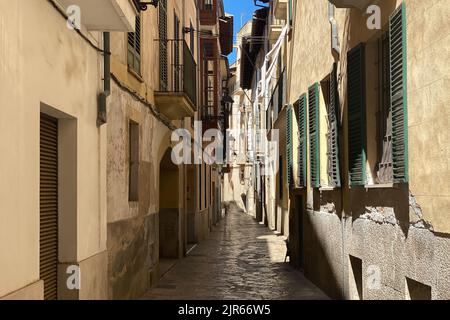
column 428, row 110
column 428, row 70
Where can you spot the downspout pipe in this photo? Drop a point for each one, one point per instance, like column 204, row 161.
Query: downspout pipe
column 101, row 115
column 334, row 30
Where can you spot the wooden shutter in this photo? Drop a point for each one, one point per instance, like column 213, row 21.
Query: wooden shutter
column 134, row 47
column 333, row 150
column 398, row 81
column 313, row 109
column 302, row 146
column 356, row 90
column 289, row 155
column 48, row 195
column 163, row 50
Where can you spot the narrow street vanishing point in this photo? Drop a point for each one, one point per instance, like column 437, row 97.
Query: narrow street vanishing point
column 240, row 260
column 225, row 150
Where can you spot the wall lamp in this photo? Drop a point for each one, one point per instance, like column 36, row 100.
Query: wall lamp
column 144, row 5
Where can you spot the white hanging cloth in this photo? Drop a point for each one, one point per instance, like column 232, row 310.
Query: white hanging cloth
column 268, row 72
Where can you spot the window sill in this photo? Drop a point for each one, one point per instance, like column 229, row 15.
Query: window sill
column 135, row 74
column 379, row 186
column 327, row 188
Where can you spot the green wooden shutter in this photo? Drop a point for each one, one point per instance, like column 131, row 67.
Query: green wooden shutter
column 289, row 155
column 398, row 72
column 290, row 13
column 313, row 108
column 302, row 147
column 356, row 90
column 134, row 47
column 334, row 137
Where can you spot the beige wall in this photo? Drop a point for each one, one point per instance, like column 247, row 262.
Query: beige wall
column 405, row 250
column 428, row 111
column 427, row 77
column 46, row 63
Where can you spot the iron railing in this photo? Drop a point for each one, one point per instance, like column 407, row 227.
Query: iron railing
column 181, row 74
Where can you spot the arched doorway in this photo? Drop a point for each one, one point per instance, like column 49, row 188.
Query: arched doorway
column 169, row 205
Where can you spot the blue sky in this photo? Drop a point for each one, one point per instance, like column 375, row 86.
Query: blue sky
column 242, row 10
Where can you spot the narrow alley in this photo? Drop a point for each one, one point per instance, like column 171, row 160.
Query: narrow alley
column 225, row 150
column 241, row 259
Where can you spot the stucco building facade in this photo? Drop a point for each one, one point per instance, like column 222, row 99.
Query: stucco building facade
column 368, row 202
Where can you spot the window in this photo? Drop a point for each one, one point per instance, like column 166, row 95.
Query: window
column 289, row 155
column 313, row 110
column 280, row 177
column 209, row 79
column 163, row 50
column 302, row 144
column 208, row 5
column 377, row 107
column 356, row 115
column 134, row 48
column 177, row 75
column 384, row 167
column 133, row 156
column 331, row 99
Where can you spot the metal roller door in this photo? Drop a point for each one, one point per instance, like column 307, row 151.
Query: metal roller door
column 49, row 206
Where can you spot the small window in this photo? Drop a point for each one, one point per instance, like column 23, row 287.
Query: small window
column 280, row 177
column 134, row 48
column 208, row 5
column 133, row 161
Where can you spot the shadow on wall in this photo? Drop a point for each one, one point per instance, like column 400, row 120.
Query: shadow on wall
column 318, row 252
column 169, row 215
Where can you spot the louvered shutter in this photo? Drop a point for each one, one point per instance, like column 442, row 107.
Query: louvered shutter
column 313, row 108
column 134, row 47
column 356, row 115
column 302, row 147
column 333, row 151
column 289, row 155
column 163, row 46
column 398, row 83
column 48, row 194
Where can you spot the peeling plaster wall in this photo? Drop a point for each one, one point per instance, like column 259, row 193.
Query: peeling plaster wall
column 402, row 232
column 133, row 241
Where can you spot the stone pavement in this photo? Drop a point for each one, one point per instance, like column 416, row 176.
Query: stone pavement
column 241, row 259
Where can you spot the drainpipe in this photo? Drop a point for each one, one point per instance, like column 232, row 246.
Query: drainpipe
column 101, row 115
column 334, row 30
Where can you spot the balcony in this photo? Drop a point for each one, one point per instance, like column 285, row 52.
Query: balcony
column 105, row 15
column 280, row 9
column 275, row 28
column 358, row 4
column 177, row 95
column 208, row 12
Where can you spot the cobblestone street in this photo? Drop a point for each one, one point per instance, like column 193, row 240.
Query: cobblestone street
column 241, row 259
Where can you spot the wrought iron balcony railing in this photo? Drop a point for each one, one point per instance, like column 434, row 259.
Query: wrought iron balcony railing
column 180, row 75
